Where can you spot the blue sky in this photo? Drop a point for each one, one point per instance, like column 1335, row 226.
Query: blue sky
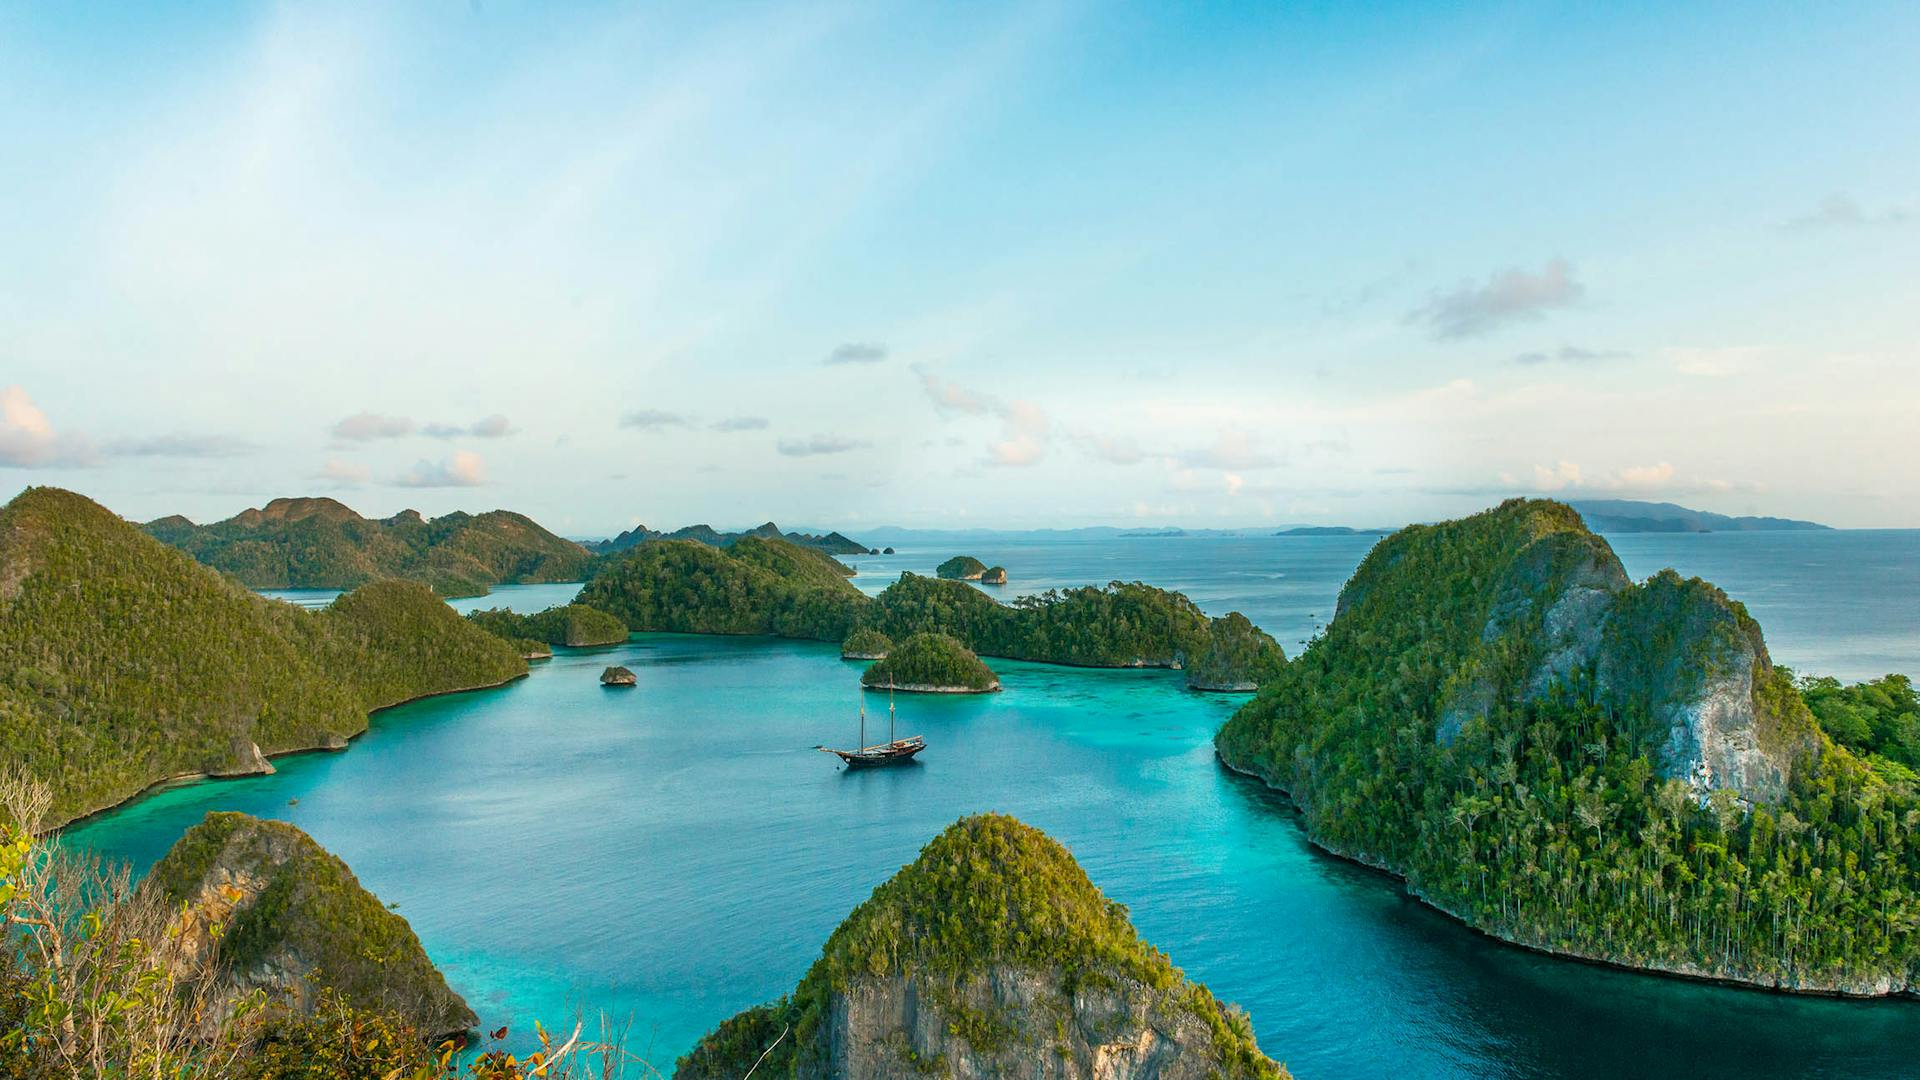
column 1020, row 265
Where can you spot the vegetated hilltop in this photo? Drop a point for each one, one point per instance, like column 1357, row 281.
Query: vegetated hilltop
column 931, row 663
column 321, row 544
column 772, row 587
column 833, row 543
column 960, row 568
column 1633, row 516
column 1577, row 763
column 573, row 625
column 123, row 662
column 754, row 586
column 290, row 916
column 992, row 954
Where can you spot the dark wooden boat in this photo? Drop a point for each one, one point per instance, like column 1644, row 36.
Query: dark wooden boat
column 895, row 751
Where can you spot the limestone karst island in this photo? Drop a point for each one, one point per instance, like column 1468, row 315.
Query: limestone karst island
column 909, row 542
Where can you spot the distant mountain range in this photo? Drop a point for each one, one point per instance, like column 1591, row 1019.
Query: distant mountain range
column 1630, row 516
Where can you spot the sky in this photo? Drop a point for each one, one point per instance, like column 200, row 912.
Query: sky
column 1020, row 265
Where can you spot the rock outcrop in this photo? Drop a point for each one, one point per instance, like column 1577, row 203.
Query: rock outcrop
column 618, row 676
column 961, row 568
column 290, row 920
column 990, row 956
column 1238, row 657
column 1670, row 651
column 994, row 575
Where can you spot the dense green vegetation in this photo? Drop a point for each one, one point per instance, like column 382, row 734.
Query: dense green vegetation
column 1879, row 720
column 321, row 544
column 865, row 643
column 123, row 662
column 755, row 586
column 1125, row 624
column 304, row 910
column 960, row 568
column 572, row 625
column 772, row 587
column 930, row 661
column 833, row 543
column 987, row 892
column 1550, row 819
column 1237, row 657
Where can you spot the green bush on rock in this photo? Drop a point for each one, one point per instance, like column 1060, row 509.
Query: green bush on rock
column 931, row 663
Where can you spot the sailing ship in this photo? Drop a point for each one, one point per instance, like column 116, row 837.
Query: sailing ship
column 895, row 751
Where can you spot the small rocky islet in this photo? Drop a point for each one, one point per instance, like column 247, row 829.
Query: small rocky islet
column 930, row 663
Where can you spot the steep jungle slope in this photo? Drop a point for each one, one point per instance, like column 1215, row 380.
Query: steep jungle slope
column 1578, row 763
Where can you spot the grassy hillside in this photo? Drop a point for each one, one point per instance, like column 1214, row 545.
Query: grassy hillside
column 321, row 544
column 124, row 662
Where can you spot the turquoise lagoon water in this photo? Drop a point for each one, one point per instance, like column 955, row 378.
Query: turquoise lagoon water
column 674, row 853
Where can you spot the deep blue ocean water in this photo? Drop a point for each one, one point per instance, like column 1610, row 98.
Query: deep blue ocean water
column 671, row 854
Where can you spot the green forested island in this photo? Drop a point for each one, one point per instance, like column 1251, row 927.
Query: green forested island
column 772, row 587
column 1581, row 764
column 123, row 662
column 833, row 543
column 865, row 643
column 573, row 625
column 931, row 663
column 960, row 568
column 318, row 543
column 996, row 932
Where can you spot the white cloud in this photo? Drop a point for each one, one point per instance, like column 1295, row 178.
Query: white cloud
column 819, row 444
column 1025, row 428
column 1234, row 450
column 28, row 440
column 1715, row 363
column 1842, row 211
column 368, row 426
column 1511, row 295
column 950, row 397
column 857, row 352
column 1570, row 354
column 181, row 445
column 1023, row 441
column 653, row 420
column 343, row 473
column 740, row 423
column 488, row 427
column 463, row 468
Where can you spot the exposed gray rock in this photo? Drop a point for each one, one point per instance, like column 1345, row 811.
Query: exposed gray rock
column 1027, row 1025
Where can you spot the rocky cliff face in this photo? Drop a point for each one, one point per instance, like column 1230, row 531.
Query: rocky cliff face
column 290, row 918
column 991, row 955
column 1013, row 1023
column 1671, row 652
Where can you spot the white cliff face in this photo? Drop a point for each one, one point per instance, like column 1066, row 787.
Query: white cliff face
column 1014, row 1024
column 1702, row 685
column 1713, row 741
column 1678, row 651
